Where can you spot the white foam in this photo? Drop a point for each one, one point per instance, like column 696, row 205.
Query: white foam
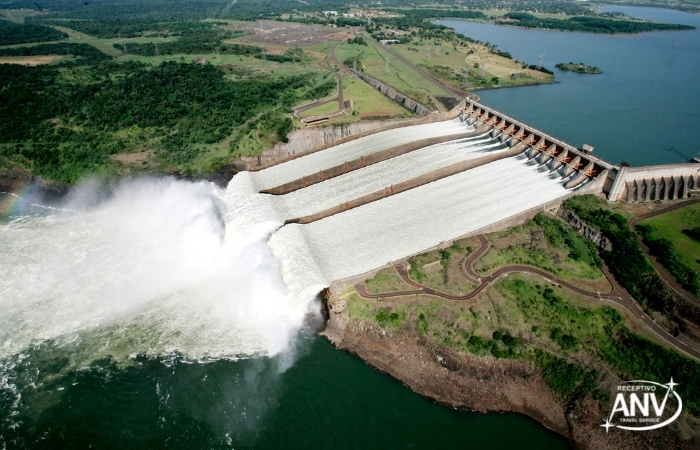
column 163, row 266
column 355, row 184
column 314, row 162
column 368, row 237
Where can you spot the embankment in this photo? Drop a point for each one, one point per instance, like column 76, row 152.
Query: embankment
column 487, row 384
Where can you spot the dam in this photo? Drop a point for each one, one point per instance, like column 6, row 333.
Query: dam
column 385, row 196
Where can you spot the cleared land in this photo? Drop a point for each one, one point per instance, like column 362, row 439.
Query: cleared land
column 451, row 63
column 31, row 60
column 367, row 102
column 372, row 59
column 671, row 225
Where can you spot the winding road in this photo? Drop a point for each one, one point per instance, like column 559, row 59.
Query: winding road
column 617, row 294
column 339, row 96
column 670, row 280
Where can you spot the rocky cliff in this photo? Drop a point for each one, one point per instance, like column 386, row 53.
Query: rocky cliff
column 591, row 233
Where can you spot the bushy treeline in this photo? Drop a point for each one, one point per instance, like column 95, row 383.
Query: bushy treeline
column 15, row 33
column 664, row 252
column 131, row 28
column 626, row 260
column 693, row 233
column 65, row 123
column 191, row 42
column 591, row 24
column 87, row 53
column 561, row 235
column 126, row 9
column 564, row 377
column 640, row 359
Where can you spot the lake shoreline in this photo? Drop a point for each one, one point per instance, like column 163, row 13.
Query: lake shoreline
column 488, row 385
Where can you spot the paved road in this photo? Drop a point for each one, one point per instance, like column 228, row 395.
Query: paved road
column 617, row 294
column 338, row 98
column 678, row 289
column 459, row 93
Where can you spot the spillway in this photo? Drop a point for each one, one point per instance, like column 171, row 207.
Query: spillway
column 357, row 183
column 368, row 237
column 292, row 170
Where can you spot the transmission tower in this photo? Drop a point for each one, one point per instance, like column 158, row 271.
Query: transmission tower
column 155, row 44
column 540, row 59
column 386, row 65
column 465, row 77
column 428, row 49
column 121, row 41
column 354, row 65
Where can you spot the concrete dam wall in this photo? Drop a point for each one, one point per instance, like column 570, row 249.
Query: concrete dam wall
column 398, row 97
column 663, row 182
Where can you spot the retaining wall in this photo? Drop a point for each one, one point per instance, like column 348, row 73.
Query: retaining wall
column 365, row 161
column 404, row 100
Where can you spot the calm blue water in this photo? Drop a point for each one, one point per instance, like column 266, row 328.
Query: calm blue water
column 645, row 106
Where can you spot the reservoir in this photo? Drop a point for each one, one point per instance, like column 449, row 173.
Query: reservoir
column 138, row 321
column 642, row 109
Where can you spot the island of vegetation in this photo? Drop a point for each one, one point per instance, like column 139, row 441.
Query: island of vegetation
column 587, row 24
column 577, row 67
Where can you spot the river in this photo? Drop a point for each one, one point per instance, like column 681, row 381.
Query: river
column 642, row 109
column 138, row 321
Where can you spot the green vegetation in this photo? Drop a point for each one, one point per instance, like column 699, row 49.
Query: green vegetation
column 387, row 280
column 14, row 33
column 669, row 238
column 137, row 28
column 87, row 53
column 390, row 319
column 626, row 260
column 65, row 123
column 640, row 359
column 578, row 68
column 564, row 377
column 446, row 276
column 559, row 234
column 546, row 243
column 570, row 338
column 590, row 24
column 195, row 43
column 693, row 233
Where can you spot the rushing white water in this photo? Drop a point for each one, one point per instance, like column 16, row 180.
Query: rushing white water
column 166, row 266
column 364, row 238
column 341, row 153
column 162, row 266
column 355, row 184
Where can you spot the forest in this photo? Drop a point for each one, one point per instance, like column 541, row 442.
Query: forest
column 86, row 53
column 15, row 33
column 194, row 41
column 590, row 24
column 63, row 122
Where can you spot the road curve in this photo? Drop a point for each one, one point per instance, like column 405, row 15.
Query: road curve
column 617, row 294
column 675, row 285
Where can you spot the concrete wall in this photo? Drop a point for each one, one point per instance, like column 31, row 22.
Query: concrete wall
column 662, row 182
column 365, row 161
column 413, row 183
column 312, row 140
column 398, row 97
column 517, row 219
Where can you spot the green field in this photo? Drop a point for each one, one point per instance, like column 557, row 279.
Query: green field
column 671, row 225
column 401, row 76
column 321, row 110
column 368, row 102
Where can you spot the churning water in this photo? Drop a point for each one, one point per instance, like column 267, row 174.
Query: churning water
column 165, row 273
